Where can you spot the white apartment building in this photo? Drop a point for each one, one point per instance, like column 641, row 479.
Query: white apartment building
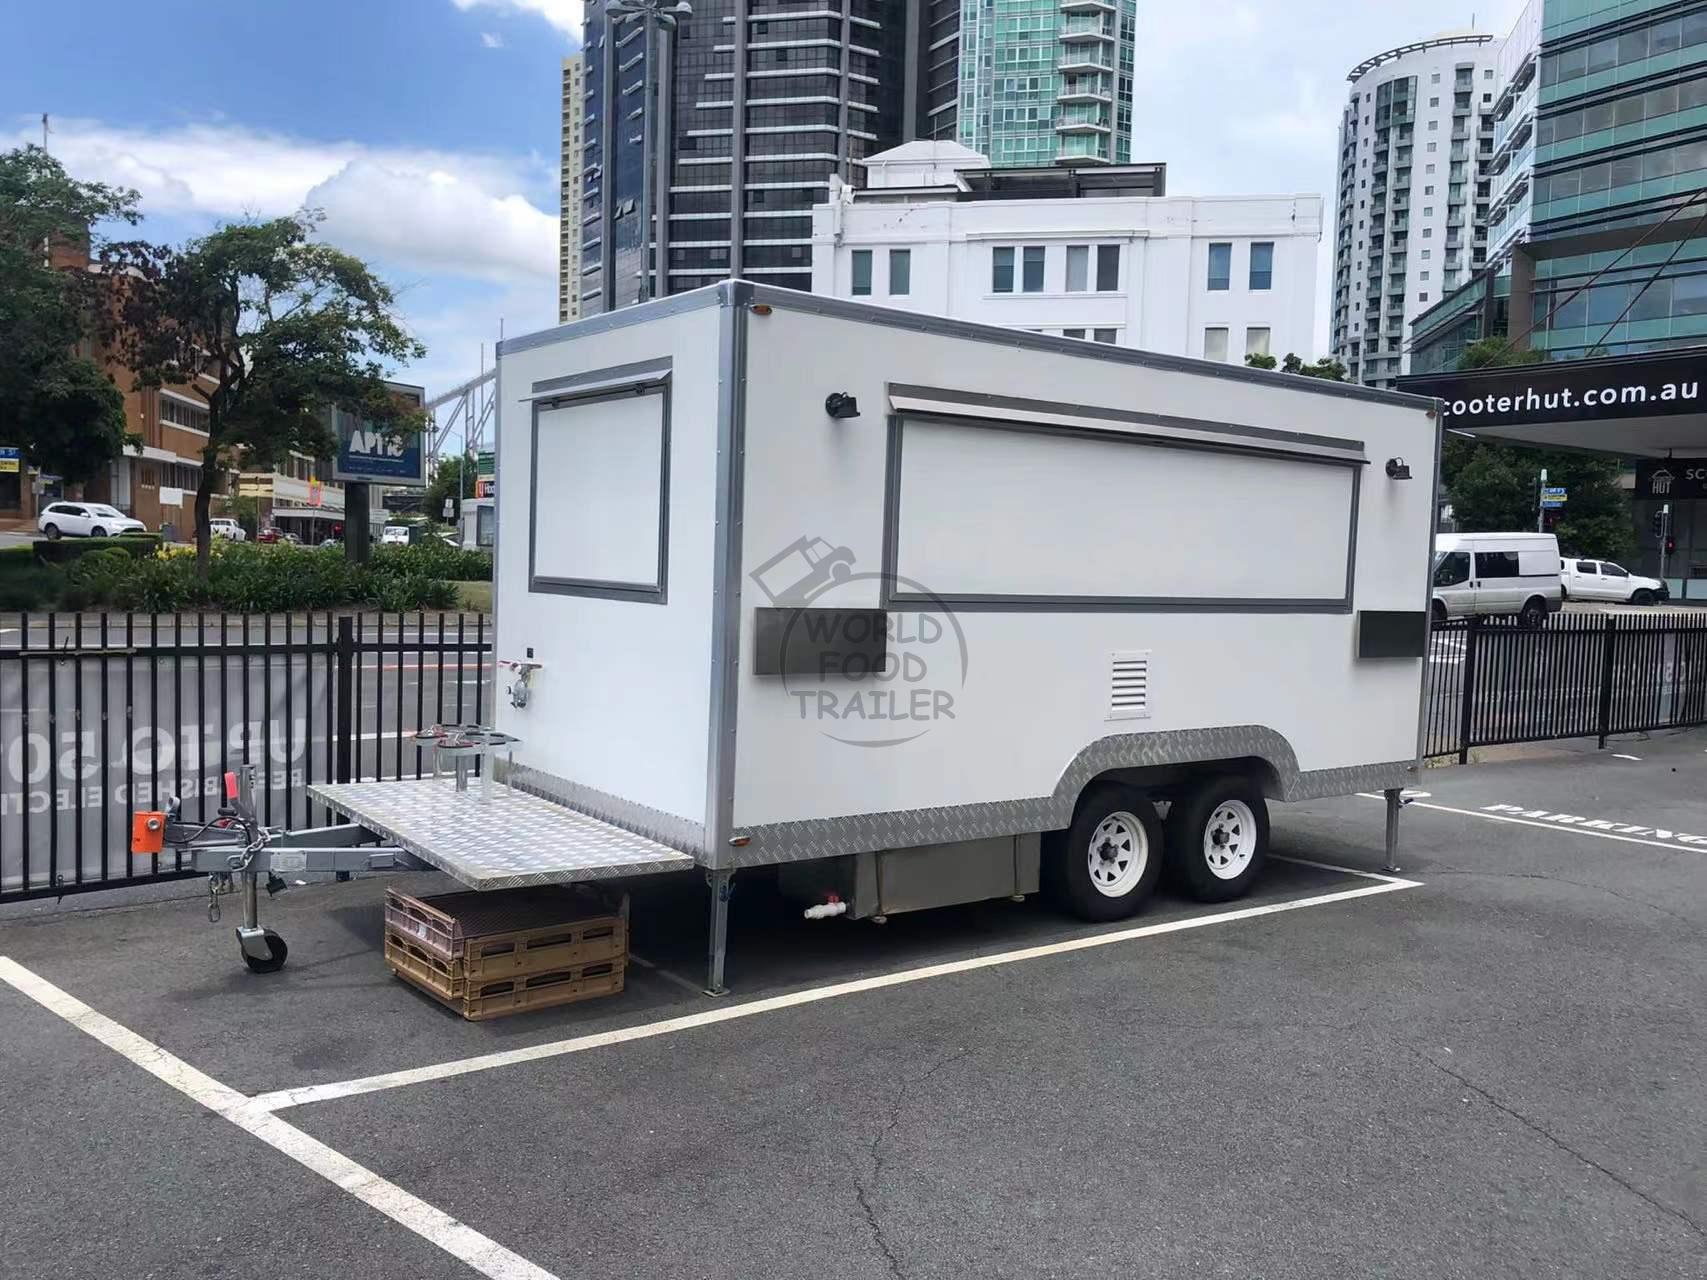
column 1512, row 164
column 569, row 201
column 1416, row 139
column 1100, row 254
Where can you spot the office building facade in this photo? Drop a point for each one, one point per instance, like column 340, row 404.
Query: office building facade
column 1100, row 254
column 766, row 100
column 1410, row 222
column 761, row 102
column 1605, row 252
column 1042, row 81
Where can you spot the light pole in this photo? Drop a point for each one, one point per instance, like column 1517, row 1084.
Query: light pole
column 657, row 16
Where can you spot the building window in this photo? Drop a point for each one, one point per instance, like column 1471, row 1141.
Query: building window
column 1220, row 272
column 1428, row 191
column 1422, row 297
column 1108, row 268
column 900, row 272
column 1072, row 333
column 1103, row 335
column 1427, row 254
column 1078, row 268
column 1002, row 269
column 861, row 272
column 1435, row 78
column 1434, row 102
column 1262, row 264
column 1256, row 342
column 1032, row 266
column 1215, row 344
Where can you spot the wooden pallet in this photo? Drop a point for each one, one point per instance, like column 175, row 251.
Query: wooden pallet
column 505, row 934
column 492, row 997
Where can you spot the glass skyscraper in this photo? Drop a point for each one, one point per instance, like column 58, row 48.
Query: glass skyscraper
column 1603, row 240
column 1046, row 81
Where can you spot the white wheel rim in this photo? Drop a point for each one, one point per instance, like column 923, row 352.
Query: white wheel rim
column 1229, row 839
column 1118, row 853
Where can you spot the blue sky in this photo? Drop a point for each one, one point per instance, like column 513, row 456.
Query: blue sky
column 428, row 129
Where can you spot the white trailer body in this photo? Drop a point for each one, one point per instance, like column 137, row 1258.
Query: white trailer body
column 1065, row 562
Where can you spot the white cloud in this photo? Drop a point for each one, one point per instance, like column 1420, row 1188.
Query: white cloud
column 434, row 211
column 565, row 15
column 491, row 40
column 435, row 221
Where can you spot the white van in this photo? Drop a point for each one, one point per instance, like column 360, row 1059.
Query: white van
column 1497, row 573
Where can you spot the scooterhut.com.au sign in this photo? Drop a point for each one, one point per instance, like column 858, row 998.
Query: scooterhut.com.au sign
column 1568, row 391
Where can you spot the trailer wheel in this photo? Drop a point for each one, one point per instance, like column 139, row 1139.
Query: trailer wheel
column 277, row 951
column 1105, row 865
column 1218, row 839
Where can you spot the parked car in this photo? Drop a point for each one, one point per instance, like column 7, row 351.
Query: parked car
column 267, row 535
column 86, row 520
column 1603, row 580
column 226, row 527
column 1494, row 574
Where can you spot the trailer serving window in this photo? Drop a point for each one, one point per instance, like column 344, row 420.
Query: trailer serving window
column 600, row 487
column 1002, row 503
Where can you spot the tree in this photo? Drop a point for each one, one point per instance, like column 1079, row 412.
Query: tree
column 1489, row 493
column 1326, row 368
column 452, row 480
column 1493, row 353
column 57, row 405
column 275, row 328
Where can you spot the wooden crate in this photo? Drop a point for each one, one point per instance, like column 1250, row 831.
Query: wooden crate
column 493, row 997
column 511, row 932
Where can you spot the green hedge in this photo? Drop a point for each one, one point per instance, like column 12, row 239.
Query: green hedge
column 65, row 550
column 242, row 577
column 435, row 559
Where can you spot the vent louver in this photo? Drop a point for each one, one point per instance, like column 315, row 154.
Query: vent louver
column 1129, row 684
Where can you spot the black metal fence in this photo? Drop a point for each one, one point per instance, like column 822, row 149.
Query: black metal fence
column 104, row 715
column 1580, row 675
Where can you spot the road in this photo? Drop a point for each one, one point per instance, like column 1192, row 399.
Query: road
column 1496, row 1072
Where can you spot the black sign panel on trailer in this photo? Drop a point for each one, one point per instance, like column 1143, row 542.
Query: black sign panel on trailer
column 1647, row 386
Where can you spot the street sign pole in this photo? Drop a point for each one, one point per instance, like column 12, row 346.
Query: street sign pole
column 1665, row 538
column 1540, row 503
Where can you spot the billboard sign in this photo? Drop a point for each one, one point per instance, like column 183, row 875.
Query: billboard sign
column 1648, row 386
column 368, row 453
column 11, row 459
column 1671, row 478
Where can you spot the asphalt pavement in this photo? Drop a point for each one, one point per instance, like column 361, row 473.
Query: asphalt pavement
column 1496, row 1072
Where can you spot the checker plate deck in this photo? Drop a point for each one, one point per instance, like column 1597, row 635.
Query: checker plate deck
column 514, row 839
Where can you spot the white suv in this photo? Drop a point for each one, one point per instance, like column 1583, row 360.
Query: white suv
column 226, row 527
column 86, row 520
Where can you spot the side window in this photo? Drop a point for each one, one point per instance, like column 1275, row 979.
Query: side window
column 1454, row 568
column 1613, row 571
column 1587, row 566
column 1497, row 564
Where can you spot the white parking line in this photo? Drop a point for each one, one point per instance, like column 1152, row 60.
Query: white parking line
column 729, row 1013
column 456, row 1238
column 1531, row 822
column 1618, row 755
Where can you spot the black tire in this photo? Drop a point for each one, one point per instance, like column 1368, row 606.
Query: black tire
column 1642, row 596
column 1118, row 822
column 1439, row 611
column 1218, row 805
column 275, row 959
column 52, row 532
column 1564, row 594
column 1533, row 613
column 97, row 532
